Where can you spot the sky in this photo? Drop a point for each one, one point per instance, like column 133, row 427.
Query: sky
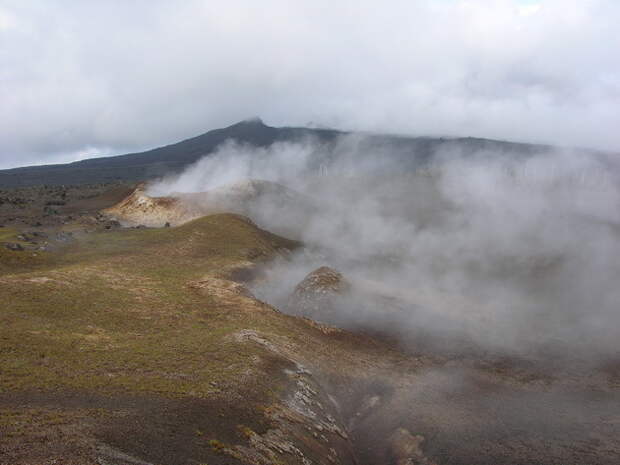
column 81, row 79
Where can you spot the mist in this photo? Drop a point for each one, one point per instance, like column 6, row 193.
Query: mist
column 507, row 253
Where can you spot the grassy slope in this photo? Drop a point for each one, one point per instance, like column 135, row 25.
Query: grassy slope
column 113, row 318
column 12, row 260
column 115, row 313
column 116, row 347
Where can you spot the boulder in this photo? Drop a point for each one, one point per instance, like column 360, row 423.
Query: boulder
column 112, row 224
column 318, row 294
column 13, row 246
column 64, row 236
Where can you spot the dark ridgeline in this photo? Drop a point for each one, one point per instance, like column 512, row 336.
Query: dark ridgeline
column 173, row 158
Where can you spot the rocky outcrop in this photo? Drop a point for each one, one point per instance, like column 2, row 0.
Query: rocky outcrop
column 319, row 294
column 264, row 201
column 140, row 208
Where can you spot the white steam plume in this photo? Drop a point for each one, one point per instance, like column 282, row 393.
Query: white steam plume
column 507, row 251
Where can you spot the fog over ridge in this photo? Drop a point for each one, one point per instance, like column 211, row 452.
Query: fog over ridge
column 506, row 251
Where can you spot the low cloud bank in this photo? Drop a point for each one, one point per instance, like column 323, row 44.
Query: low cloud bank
column 508, row 252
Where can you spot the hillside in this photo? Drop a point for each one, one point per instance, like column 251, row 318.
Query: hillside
column 155, row 162
column 145, row 350
column 173, row 158
column 145, row 346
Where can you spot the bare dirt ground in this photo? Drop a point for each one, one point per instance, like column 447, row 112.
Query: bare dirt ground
column 53, row 205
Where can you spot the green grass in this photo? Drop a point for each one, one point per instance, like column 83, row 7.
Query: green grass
column 106, row 341
column 18, row 422
column 8, row 235
column 113, row 312
column 18, row 260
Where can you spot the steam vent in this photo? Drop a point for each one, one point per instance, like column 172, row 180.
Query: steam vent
column 316, row 295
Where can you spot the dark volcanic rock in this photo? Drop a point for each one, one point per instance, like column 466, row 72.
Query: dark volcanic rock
column 112, row 224
column 13, row 246
column 318, row 294
column 64, row 236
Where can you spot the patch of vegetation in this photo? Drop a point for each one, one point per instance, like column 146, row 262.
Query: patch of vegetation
column 24, row 421
column 8, row 235
column 113, row 313
column 217, row 446
column 112, row 316
column 246, row 432
column 18, row 260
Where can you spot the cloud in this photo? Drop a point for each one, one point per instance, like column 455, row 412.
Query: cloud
column 507, row 252
column 132, row 75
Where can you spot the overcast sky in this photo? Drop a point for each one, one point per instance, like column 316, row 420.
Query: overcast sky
column 80, row 78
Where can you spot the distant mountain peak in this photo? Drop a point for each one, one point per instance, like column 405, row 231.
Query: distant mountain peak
column 253, row 124
column 254, row 121
column 174, row 157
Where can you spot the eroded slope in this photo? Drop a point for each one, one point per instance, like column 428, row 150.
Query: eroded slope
column 134, row 346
